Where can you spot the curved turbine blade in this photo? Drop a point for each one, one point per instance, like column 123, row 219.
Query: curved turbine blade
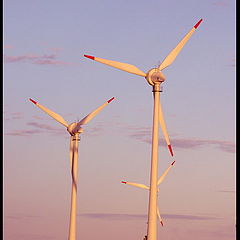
column 54, row 115
column 122, row 66
column 165, row 173
column 173, row 54
column 136, row 185
column 91, row 115
column 164, row 129
column 159, row 216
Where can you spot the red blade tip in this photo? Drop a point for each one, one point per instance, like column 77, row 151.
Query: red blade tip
column 91, row 57
column 170, row 149
column 110, row 99
column 33, row 101
column 173, row 162
column 124, row 182
column 161, row 223
column 198, row 23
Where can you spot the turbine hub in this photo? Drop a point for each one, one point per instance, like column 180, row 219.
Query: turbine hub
column 73, row 128
column 155, row 76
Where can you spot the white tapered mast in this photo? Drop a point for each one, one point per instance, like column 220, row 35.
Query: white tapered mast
column 74, row 173
column 152, row 207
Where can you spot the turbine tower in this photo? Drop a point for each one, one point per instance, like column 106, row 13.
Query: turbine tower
column 154, row 77
column 74, row 130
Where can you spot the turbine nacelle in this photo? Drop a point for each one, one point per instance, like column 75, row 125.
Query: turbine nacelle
column 155, row 76
column 74, row 128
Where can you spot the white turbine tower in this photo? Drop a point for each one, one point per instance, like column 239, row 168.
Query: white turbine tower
column 154, row 77
column 160, row 180
column 74, row 130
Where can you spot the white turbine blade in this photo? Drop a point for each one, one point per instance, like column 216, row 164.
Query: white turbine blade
column 173, row 54
column 164, row 129
column 54, row 115
column 122, row 66
column 136, row 185
column 91, row 115
column 159, row 216
column 165, row 173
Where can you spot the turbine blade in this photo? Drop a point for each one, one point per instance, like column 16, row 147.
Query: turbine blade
column 159, row 216
column 136, row 185
column 91, row 115
column 164, row 129
column 173, row 54
column 122, row 66
column 165, row 173
column 54, row 115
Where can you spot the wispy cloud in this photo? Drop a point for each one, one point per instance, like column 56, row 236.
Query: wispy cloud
column 226, row 191
column 28, row 236
column 39, row 128
column 122, row 216
column 56, row 49
column 50, row 62
column 221, row 3
column 21, row 217
column 13, row 115
column 233, row 63
column 45, row 59
column 37, row 117
column 22, row 133
column 7, row 46
column 143, row 134
column 44, row 127
column 27, row 57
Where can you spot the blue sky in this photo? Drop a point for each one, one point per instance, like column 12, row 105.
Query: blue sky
column 44, row 44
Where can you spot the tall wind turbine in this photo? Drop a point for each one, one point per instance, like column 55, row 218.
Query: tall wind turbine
column 154, row 77
column 74, row 130
column 160, row 180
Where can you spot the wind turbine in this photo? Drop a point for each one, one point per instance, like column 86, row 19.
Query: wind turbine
column 160, row 180
column 74, row 130
column 154, row 77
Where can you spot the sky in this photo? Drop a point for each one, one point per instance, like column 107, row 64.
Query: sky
column 44, row 44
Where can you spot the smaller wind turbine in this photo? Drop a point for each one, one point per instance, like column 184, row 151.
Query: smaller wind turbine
column 160, row 180
column 74, row 130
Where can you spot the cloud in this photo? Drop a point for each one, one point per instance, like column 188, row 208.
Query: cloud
column 30, row 57
column 41, row 128
column 56, row 49
column 45, row 59
column 124, row 217
column 144, row 135
column 226, row 191
column 22, row 133
column 221, row 3
column 233, row 63
column 50, row 62
column 21, row 217
column 37, row 117
column 13, row 115
column 54, row 130
column 7, row 46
